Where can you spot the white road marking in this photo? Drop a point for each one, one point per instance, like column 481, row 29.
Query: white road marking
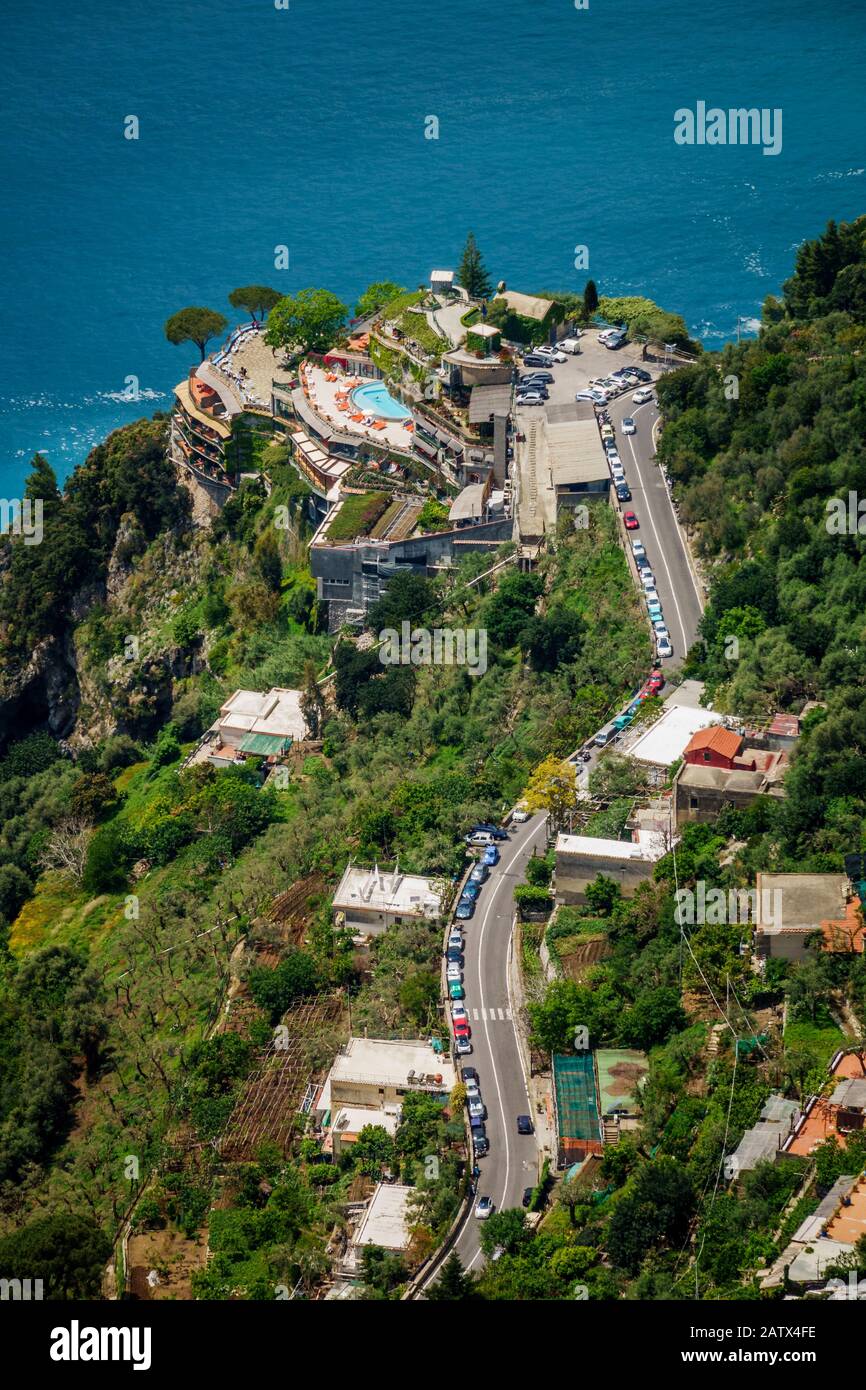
column 501, row 1014
column 475, row 1015
column 502, row 881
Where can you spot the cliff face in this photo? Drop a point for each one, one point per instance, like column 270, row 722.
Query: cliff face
column 78, row 692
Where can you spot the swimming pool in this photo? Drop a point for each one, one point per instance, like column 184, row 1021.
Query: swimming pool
column 374, row 398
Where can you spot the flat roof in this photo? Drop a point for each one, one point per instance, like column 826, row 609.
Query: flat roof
column 665, row 740
column 351, row 1119
column 385, row 891
column 442, row 275
column 721, row 778
column 648, row 850
column 806, row 900
column 574, row 452
column 384, row 1221
column 386, row 1062
column 486, row 330
column 487, row 400
column 276, row 712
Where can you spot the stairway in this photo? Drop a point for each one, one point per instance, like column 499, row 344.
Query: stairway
column 610, row 1130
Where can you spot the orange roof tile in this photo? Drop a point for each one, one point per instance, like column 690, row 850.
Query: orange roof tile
column 722, row 741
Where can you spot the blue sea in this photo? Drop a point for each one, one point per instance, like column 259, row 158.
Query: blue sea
column 305, row 126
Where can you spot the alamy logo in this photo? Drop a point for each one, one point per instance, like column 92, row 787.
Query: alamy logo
column 19, row 518
column 20, row 1290
column 736, row 126
column 439, row 646
column 715, row 906
column 846, row 518
column 77, row 1343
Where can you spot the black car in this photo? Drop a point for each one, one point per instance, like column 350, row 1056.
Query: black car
column 495, row 830
column 640, row 373
column 623, row 492
column 527, row 1196
column 536, row 376
column 538, row 389
column 533, row 360
column 524, row 1124
column 470, row 1074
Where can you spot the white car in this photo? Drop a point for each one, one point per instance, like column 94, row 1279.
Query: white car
column 519, row 815
column 459, row 1011
column 661, row 632
column 618, row 473
column 463, row 1047
column 651, row 595
column 638, row 549
column 455, row 941
column 628, row 425
column 552, row 354
column 483, row 1208
column 642, row 396
column 454, row 973
column 664, row 648
column 647, row 579
column 530, row 398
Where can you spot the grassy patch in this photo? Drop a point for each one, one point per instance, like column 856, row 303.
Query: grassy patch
column 358, row 513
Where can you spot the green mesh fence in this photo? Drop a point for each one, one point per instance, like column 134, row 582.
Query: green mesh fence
column 576, row 1105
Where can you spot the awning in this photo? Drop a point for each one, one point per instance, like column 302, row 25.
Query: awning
column 265, row 744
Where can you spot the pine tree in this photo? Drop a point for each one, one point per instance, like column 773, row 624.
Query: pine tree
column 472, row 274
column 453, row 1283
column 590, row 298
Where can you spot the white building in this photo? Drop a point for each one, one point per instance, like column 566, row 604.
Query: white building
column 249, row 716
column 375, row 1073
column 581, row 858
column 442, row 281
column 368, row 901
column 385, row 1223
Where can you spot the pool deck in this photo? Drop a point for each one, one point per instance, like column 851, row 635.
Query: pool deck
column 323, row 398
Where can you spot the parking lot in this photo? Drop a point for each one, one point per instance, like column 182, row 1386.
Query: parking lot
column 594, row 359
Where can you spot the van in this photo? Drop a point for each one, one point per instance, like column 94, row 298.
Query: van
column 569, row 345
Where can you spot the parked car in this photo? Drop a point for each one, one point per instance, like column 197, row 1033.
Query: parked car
column 456, row 990
column 490, row 856
column 602, row 737
column 536, row 359
column 475, row 1106
column 551, row 353
column 623, row 492
column 610, row 445
column 480, row 837
column 453, row 972
column 607, row 433
column 628, row 425
column 630, row 521
column 647, row 578
column 530, row 398
column 651, row 595
column 638, row 549
column 661, row 632
column 483, row 1208
column 656, row 682
column 454, row 956
column 480, row 1143
column 528, row 1193
column 519, row 815
column 463, row 1047
column 455, row 939
column 570, row 345
column 654, row 610
column 541, row 376
column 532, row 388
column 465, row 909
column 664, row 649
column 641, row 373
column 642, row 396
column 470, row 1074
column 480, row 874
column 470, row 890
column 524, row 1124
column 495, row 830
column 585, row 396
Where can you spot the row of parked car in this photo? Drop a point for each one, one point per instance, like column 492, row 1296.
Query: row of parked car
column 602, row 389
column 664, row 646
column 653, row 685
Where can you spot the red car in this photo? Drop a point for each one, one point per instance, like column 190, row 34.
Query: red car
column 631, row 521
column 655, row 682
column 462, row 1029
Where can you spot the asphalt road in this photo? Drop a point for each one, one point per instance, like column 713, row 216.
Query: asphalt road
column 652, row 505
column 512, row 1163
